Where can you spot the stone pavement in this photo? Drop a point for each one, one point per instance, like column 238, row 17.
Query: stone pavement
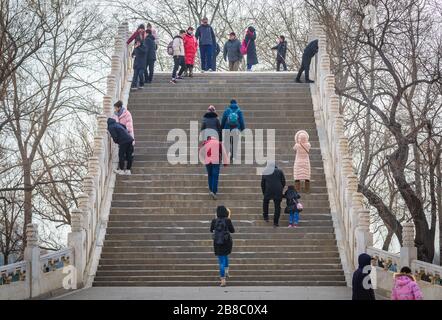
column 210, row 293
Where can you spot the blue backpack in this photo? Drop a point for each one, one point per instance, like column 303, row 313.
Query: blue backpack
column 233, row 118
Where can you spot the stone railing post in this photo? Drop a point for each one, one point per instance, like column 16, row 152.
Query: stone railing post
column 32, row 255
column 77, row 241
column 408, row 249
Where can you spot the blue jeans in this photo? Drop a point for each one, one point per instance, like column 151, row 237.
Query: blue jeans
column 213, row 176
column 138, row 79
column 206, row 52
column 223, row 262
column 294, row 217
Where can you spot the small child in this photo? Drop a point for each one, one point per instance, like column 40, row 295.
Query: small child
column 405, row 286
column 301, row 168
column 292, row 206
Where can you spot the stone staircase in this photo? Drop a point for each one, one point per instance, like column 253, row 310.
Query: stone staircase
column 158, row 230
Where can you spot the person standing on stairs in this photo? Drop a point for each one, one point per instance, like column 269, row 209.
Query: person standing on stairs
column 124, row 117
column 292, row 208
column 233, row 121
column 138, row 35
column 309, row 52
column 206, row 36
column 249, row 41
column 190, row 49
column 121, row 136
column 272, row 186
column 211, row 124
column 211, row 153
column 281, row 53
column 221, row 228
column 232, row 52
column 151, row 56
column 139, row 53
column 301, row 168
column 178, row 57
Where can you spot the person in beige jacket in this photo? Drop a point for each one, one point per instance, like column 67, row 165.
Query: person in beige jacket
column 301, row 169
column 178, row 57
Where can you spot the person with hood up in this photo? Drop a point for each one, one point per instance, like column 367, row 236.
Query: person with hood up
column 309, row 52
column 281, row 53
column 121, row 136
column 211, row 122
column 221, row 228
column 123, row 116
column 151, row 56
column 249, row 40
column 206, row 36
column 361, row 282
column 190, row 49
column 233, row 120
column 272, row 186
column 301, row 168
column 405, row 286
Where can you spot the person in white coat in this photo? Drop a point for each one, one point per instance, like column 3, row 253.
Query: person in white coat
column 178, row 57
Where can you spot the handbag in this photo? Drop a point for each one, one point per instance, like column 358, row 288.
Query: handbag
column 244, row 47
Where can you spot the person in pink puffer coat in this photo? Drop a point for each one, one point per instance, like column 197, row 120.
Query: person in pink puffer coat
column 123, row 116
column 301, row 169
column 405, row 286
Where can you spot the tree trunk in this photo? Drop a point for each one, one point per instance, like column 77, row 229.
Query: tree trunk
column 388, row 239
column 27, row 207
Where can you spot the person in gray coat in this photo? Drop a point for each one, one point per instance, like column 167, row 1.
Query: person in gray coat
column 252, row 57
column 232, row 52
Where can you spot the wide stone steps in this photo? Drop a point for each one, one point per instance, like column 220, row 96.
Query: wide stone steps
column 158, row 228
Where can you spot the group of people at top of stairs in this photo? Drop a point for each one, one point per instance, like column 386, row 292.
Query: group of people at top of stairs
column 214, row 152
column 405, row 286
column 184, row 46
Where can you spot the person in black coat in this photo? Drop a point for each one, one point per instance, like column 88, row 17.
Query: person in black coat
column 122, row 137
column 252, row 56
column 309, row 52
column 222, row 251
column 272, row 186
column 211, row 121
column 281, row 53
column 139, row 64
column 151, row 56
column 361, row 283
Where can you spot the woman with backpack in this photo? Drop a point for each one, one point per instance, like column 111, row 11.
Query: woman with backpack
column 293, row 206
column 221, row 228
column 301, row 169
column 233, row 119
column 249, row 47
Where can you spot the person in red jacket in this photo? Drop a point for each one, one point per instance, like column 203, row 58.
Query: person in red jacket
column 140, row 33
column 190, row 49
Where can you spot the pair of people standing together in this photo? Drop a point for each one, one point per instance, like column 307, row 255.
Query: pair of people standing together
column 234, row 50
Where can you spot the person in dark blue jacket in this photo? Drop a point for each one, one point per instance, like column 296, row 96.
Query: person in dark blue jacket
column 233, row 121
column 151, row 56
column 206, row 37
column 309, row 52
column 139, row 64
column 361, row 283
column 121, row 136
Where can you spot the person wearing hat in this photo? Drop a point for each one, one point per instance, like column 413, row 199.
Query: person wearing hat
column 190, row 49
column 221, row 228
column 211, row 122
column 232, row 52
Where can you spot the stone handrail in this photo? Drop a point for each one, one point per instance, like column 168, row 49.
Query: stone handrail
column 427, row 272
column 351, row 220
column 13, row 272
column 383, row 259
column 56, row 260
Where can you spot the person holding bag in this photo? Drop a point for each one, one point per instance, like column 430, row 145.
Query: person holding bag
column 301, row 168
column 249, row 47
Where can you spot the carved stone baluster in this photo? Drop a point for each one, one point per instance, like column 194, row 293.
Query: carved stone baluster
column 408, row 249
column 32, row 255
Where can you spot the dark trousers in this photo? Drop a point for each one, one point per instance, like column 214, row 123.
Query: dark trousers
column 213, row 176
column 125, row 153
column 206, row 52
column 278, row 65
column 178, row 63
column 138, row 78
column 305, row 66
column 148, row 73
column 265, row 209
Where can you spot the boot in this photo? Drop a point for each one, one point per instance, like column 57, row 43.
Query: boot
column 298, row 186
column 307, row 186
column 191, row 72
column 223, row 282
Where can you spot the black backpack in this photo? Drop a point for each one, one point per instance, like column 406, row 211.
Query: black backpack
column 221, row 234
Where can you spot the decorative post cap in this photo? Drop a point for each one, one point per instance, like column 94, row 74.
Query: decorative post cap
column 32, row 235
column 408, row 235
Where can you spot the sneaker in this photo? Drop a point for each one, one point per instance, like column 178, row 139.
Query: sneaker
column 309, row 81
column 298, row 81
column 133, row 89
column 119, row 172
column 173, row 81
column 290, row 226
column 180, row 78
column 266, row 219
column 275, row 225
column 295, row 225
column 213, row 195
column 127, row 172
